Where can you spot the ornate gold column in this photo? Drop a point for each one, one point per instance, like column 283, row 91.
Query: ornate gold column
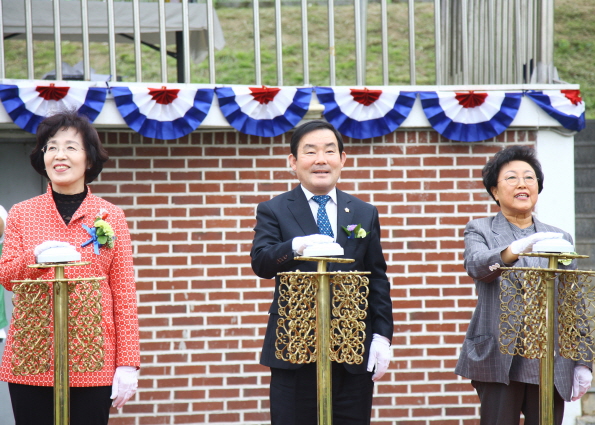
column 307, row 333
column 61, row 384
column 323, row 342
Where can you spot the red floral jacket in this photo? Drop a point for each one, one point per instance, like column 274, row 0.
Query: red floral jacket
column 113, row 340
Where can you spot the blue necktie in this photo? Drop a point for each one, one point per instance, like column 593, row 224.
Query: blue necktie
column 324, row 225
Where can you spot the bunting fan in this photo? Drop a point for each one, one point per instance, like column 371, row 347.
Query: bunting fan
column 28, row 104
column 163, row 113
column 470, row 116
column 364, row 113
column 565, row 106
column 263, row 111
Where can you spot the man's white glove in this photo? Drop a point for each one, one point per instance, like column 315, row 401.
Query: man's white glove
column 50, row 244
column 302, row 242
column 379, row 356
column 582, row 381
column 525, row 245
column 124, row 386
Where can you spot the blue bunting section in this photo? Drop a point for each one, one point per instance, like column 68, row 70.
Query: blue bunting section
column 362, row 113
column 470, row 116
column 163, row 113
column 565, row 106
column 29, row 103
column 264, row 111
column 172, row 111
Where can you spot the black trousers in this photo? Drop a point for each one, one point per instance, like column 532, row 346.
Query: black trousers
column 502, row 404
column 34, row 405
column 293, row 396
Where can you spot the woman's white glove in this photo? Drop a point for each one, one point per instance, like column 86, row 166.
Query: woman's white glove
column 124, row 386
column 50, row 244
column 302, row 242
column 582, row 381
column 525, row 245
column 379, row 356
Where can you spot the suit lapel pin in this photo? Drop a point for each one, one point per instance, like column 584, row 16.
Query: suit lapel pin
column 346, row 209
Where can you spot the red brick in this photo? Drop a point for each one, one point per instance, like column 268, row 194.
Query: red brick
column 219, row 308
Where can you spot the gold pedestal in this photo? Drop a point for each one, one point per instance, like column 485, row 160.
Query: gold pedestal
column 306, row 332
column 527, row 324
column 31, row 339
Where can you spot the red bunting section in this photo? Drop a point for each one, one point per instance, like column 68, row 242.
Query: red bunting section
column 573, row 95
column 164, row 96
column 52, row 92
column 365, row 96
column 264, row 95
column 471, row 99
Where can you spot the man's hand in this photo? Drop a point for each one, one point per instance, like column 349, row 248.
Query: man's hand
column 124, row 386
column 379, row 356
column 525, row 245
column 582, row 381
column 302, row 242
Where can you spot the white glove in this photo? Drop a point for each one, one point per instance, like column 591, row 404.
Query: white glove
column 50, row 244
column 302, row 242
column 124, row 386
column 525, row 245
column 582, row 381
column 379, row 356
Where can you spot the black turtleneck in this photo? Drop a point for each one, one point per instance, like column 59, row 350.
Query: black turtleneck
column 68, row 204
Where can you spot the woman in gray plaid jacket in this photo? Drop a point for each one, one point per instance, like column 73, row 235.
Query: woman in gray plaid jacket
column 508, row 385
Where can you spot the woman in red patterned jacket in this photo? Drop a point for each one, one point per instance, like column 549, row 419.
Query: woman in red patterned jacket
column 104, row 355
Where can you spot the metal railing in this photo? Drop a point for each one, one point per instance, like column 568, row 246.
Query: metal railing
column 475, row 41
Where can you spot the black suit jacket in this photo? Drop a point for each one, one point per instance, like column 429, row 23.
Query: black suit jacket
column 287, row 216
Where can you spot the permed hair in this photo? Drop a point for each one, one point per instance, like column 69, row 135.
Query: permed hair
column 309, row 127
column 491, row 170
column 94, row 150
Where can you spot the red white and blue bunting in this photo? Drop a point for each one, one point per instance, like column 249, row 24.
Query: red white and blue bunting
column 263, row 111
column 173, row 111
column 164, row 113
column 29, row 103
column 362, row 113
column 565, row 106
column 470, row 116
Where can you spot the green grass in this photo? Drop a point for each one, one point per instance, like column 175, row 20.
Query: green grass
column 574, row 49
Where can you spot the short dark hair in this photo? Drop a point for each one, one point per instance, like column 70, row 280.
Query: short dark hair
column 309, row 127
column 94, row 150
column 491, row 170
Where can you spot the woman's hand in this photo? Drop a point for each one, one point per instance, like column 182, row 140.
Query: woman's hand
column 47, row 245
column 582, row 381
column 525, row 245
column 124, row 386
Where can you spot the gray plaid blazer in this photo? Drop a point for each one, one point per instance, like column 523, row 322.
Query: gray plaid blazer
column 480, row 358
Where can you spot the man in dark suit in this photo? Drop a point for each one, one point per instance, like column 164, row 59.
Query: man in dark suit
column 286, row 225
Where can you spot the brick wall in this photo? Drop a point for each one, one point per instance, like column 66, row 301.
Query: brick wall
column 191, row 204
